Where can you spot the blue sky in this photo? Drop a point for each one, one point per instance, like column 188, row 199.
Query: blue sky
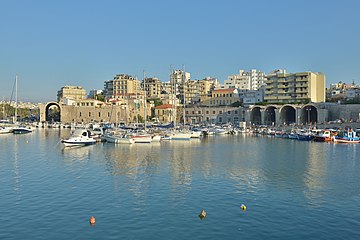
column 82, row 42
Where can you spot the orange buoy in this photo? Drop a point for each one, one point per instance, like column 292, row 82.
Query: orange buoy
column 92, row 220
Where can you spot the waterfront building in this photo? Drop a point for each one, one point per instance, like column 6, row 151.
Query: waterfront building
column 71, row 92
column 213, row 115
column 353, row 93
column 164, row 113
column 223, row 97
column 285, row 87
column 122, row 85
column 250, row 97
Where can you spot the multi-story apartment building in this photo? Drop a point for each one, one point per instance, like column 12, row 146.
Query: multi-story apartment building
column 121, row 86
column 205, row 87
column 177, row 79
column 223, row 97
column 251, row 80
column 153, row 87
column 295, row 87
column 71, row 92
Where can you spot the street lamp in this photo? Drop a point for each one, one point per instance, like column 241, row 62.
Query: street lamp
column 308, row 115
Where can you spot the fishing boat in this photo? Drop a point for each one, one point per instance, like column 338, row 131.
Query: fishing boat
column 347, row 137
column 80, row 137
column 325, row 136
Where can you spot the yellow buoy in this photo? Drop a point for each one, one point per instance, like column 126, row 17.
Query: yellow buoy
column 243, row 207
column 92, row 220
column 202, row 214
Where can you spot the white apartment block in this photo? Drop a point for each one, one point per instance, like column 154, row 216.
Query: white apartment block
column 251, row 80
column 177, row 78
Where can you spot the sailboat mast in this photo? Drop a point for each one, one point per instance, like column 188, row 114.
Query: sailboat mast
column 173, row 86
column 16, row 98
column 184, row 99
column 136, row 101
column 145, row 101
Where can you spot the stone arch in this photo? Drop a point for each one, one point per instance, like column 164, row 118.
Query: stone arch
column 309, row 114
column 47, row 110
column 270, row 115
column 255, row 115
column 287, row 114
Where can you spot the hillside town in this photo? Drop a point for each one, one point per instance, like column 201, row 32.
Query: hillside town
column 248, row 97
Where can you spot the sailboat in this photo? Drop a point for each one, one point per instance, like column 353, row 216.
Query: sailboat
column 182, row 134
column 19, row 129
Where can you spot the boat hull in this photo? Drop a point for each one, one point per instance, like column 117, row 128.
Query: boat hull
column 21, row 130
column 69, row 143
column 119, row 139
column 343, row 140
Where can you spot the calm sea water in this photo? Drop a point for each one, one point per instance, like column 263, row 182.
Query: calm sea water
column 292, row 189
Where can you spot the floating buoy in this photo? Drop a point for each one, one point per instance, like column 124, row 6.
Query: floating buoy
column 202, row 214
column 92, row 220
column 243, row 207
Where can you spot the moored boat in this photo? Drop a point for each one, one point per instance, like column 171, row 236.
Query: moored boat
column 22, row 129
column 121, row 139
column 347, row 137
column 80, row 137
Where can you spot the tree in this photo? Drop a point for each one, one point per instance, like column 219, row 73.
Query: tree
column 100, row 97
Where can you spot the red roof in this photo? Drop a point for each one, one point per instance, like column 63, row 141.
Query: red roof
column 165, row 106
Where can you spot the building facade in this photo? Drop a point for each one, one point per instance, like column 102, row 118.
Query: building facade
column 122, row 85
column 252, row 80
column 153, row 87
column 295, row 87
column 223, row 97
column 71, row 92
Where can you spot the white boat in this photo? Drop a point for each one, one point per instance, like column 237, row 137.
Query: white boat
column 120, row 139
column 156, row 138
column 195, row 134
column 5, row 130
column 181, row 136
column 80, row 137
column 21, row 129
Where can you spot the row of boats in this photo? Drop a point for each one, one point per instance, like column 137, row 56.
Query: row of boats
column 83, row 137
column 88, row 136
column 318, row 135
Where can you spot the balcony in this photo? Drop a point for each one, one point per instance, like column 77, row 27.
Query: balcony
column 268, row 92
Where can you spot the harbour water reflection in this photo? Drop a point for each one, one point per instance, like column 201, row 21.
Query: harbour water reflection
column 156, row 191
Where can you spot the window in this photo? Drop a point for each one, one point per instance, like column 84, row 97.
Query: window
column 207, row 112
column 220, row 112
column 89, row 114
column 80, row 114
column 213, row 112
column 199, row 112
column 193, row 112
column 229, row 112
column 236, row 112
column 99, row 114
